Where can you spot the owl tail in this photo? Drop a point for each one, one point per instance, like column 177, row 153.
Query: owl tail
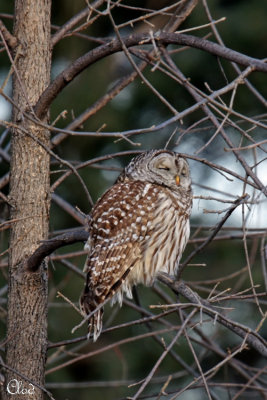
column 87, row 306
column 95, row 325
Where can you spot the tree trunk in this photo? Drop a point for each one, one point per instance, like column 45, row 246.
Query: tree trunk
column 29, row 198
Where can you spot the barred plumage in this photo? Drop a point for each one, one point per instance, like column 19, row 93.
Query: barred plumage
column 138, row 228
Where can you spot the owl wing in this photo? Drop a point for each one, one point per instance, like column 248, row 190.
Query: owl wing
column 118, row 229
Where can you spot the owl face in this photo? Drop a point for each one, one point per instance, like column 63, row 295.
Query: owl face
column 162, row 167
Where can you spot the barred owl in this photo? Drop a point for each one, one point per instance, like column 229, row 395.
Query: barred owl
column 138, row 228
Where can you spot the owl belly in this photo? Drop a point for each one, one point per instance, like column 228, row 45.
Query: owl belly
column 162, row 249
column 165, row 250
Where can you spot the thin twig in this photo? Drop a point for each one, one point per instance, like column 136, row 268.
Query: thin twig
column 65, row 77
column 216, row 229
column 252, row 338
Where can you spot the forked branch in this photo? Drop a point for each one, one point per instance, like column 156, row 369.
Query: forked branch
column 115, row 45
column 252, row 338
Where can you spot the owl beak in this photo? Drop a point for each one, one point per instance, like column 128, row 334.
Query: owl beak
column 177, row 180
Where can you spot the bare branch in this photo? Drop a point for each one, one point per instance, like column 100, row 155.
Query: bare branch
column 65, row 77
column 9, row 38
column 51, row 245
column 252, row 338
column 216, row 229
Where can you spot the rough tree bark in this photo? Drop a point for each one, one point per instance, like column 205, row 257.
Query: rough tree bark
column 29, row 198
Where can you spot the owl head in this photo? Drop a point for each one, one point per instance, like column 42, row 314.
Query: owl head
column 162, row 167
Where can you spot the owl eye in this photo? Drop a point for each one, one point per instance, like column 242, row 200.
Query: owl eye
column 165, row 168
column 183, row 173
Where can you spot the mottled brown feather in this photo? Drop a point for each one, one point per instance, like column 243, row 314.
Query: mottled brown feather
column 137, row 229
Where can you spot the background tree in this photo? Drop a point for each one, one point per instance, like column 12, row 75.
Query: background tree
column 29, row 198
column 129, row 76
